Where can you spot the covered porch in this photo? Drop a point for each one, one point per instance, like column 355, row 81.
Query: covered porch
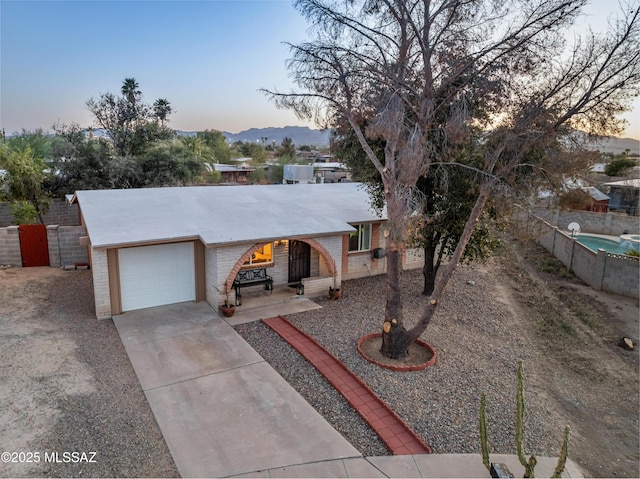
column 245, row 273
column 257, row 303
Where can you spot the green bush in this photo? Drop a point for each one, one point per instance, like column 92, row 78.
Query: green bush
column 24, row 213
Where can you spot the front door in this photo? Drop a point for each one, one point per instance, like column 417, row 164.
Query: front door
column 299, row 261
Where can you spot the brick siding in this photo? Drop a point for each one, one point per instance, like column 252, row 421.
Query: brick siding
column 101, row 290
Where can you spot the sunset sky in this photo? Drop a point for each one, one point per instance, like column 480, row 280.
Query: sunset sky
column 208, row 58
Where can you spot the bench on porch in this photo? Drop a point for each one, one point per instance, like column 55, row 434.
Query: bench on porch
column 251, row 277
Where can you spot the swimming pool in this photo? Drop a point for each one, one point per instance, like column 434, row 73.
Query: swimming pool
column 595, row 242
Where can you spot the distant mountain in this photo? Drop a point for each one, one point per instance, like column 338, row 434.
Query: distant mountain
column 616, row 145
column 300, row 135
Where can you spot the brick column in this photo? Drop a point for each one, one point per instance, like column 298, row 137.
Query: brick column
column 345, row 255
column 101, row 291
column 598, row 273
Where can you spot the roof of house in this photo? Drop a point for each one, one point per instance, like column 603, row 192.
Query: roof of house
column 595, row 193
column 222, row 168
column 332, row 165
column 222, row 214
column 633, row 183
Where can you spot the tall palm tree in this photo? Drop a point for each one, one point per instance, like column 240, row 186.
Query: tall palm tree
column 162, row 109
column 130, row 90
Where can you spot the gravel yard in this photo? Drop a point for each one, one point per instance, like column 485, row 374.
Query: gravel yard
column 492, row 316
column 66, row 383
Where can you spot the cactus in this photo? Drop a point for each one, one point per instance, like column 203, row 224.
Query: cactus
column 484, row 440
column 530, row 464
column 562, row 459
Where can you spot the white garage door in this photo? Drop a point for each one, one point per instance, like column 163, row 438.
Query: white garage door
column 156, row 275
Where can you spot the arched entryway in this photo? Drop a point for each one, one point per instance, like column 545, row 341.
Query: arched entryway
column 329, row 261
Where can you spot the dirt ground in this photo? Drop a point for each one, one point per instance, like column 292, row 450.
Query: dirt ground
column 66, row 384
column 593, row 380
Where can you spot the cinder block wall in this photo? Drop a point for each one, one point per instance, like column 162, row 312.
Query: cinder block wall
column 60, row 213
column 583, row 264
column 618, row 274
column 10, row 246
column 53, row 245
column 621, row 275
column 64, row 245
column 71, row 251
column 590, row 222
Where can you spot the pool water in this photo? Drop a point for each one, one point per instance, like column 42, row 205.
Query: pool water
column 595, row 242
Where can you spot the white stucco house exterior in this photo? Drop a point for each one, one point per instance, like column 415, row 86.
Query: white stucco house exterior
column 155, row 246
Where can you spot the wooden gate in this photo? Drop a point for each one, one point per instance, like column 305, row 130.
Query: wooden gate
column 33, row 245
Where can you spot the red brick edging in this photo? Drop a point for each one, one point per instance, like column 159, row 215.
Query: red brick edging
column 414, row 367
column 392, row 430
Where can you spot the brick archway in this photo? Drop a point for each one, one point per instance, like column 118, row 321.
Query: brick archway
column 331, row 264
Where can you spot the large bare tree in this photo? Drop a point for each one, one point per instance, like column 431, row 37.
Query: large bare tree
column 424, row 73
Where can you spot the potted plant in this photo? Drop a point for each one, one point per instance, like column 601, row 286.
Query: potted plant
column 227, row 309
column 334, row 293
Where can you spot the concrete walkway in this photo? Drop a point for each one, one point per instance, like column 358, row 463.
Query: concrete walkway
column 223, row 411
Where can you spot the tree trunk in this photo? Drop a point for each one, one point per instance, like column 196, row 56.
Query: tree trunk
column 394, row 335
column 395, row 338
column 429, row 269
column 36, row 205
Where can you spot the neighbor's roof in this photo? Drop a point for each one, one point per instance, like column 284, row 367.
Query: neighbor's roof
column 231, row 168
column 330, row 165
column 222, row 214
column 633, row 183
column 595, row 193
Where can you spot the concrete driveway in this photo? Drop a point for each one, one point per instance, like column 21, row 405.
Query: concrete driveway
column 222, row 409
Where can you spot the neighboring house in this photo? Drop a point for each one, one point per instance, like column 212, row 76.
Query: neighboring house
column 156, row 246
column 331, row 172
column 234, row 174
column 334, row 172
column 298, row 174
column 598, row 201
column 624, row 196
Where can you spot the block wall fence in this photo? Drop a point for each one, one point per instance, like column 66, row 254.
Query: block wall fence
column 591, row 222
column 60, row 213
column 603, row 271
column 63, row 242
